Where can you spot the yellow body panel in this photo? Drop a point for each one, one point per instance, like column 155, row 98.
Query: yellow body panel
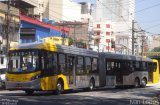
column 21, row 77
column 155, row 73
column 49, row 83
column 57, row 40
column 45, row 46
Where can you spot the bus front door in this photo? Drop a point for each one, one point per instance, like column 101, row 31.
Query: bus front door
column 72, row 72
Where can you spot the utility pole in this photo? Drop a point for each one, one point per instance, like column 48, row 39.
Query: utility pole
column 7, row 27
column 132, row 37
column 75, row 44
column 89, row 31
column 142, row 47
column 73, row 25
column 108, row 46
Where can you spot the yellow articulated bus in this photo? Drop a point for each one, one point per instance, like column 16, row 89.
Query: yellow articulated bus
column 50, row 67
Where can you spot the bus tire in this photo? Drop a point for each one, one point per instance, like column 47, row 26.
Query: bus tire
column 143, row 83
column 91, row 84
column 60, row 87
column 29, row 92
column 136, row 83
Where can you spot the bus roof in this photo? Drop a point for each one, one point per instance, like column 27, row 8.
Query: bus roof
column 124, row 57
column 56, row 48
column 35, row 45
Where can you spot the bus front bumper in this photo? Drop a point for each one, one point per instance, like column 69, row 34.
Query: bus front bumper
column 15, row 85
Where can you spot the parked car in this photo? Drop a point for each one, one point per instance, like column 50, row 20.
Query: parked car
column 2, row 77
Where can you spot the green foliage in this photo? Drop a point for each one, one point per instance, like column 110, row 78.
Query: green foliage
column 79, row 43
column 71, row 41
column 156, row 49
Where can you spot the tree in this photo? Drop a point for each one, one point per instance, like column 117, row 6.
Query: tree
column 156, row 49
column 71, row 41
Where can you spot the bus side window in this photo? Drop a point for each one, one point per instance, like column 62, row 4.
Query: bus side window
column 88, row 64
column 70, row 65
column 49, row 63
column 113, row 65
column 108, row 65
column 137, row 65
column 55, row 68
column 62, row 63
column 80, row 65
column 95, row 65
column 2, row 60
column 144, row 66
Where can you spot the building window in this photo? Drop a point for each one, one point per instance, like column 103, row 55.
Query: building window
column 107, row 33
column 108, row 40
column 98, row 26
column 98, row 33
column 107, row 47
column 108, row 26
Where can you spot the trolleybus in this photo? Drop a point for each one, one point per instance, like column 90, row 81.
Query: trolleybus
column 51, row 67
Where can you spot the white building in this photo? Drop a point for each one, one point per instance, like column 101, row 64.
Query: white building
column 58, row 10
column 115, row 10
column 103, row 36
column 155, row 41
column 121, row 12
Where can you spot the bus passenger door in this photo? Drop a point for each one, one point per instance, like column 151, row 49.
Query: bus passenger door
column 72, row 73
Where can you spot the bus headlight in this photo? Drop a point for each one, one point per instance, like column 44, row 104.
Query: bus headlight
column 35, row 77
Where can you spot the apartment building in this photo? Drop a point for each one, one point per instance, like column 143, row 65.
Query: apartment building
column 121, row 12
column 103, row 36
column 14, row 24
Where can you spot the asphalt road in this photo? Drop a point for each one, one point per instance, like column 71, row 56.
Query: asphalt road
column 127, row 96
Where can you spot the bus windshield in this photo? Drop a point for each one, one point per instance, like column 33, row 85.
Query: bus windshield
column 23, row 61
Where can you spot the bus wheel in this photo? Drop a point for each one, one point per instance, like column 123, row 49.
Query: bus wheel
column 91, row 85
column 29, row 92
column 136, row 83
column 144, row 82
column 60, row 87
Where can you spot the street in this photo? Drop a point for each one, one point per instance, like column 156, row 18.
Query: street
column 129, row 96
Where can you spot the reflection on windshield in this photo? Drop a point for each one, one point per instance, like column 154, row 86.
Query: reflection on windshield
column 23, row 61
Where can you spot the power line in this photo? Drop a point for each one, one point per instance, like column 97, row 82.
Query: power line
column 152, row 26
column 140, row 1
column 114, row 13
column 148, row 8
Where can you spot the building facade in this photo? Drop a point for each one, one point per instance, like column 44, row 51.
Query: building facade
column 13, row 35
column 121, row 12
column 103, row 37
column 33, row 30
column 58, row 10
